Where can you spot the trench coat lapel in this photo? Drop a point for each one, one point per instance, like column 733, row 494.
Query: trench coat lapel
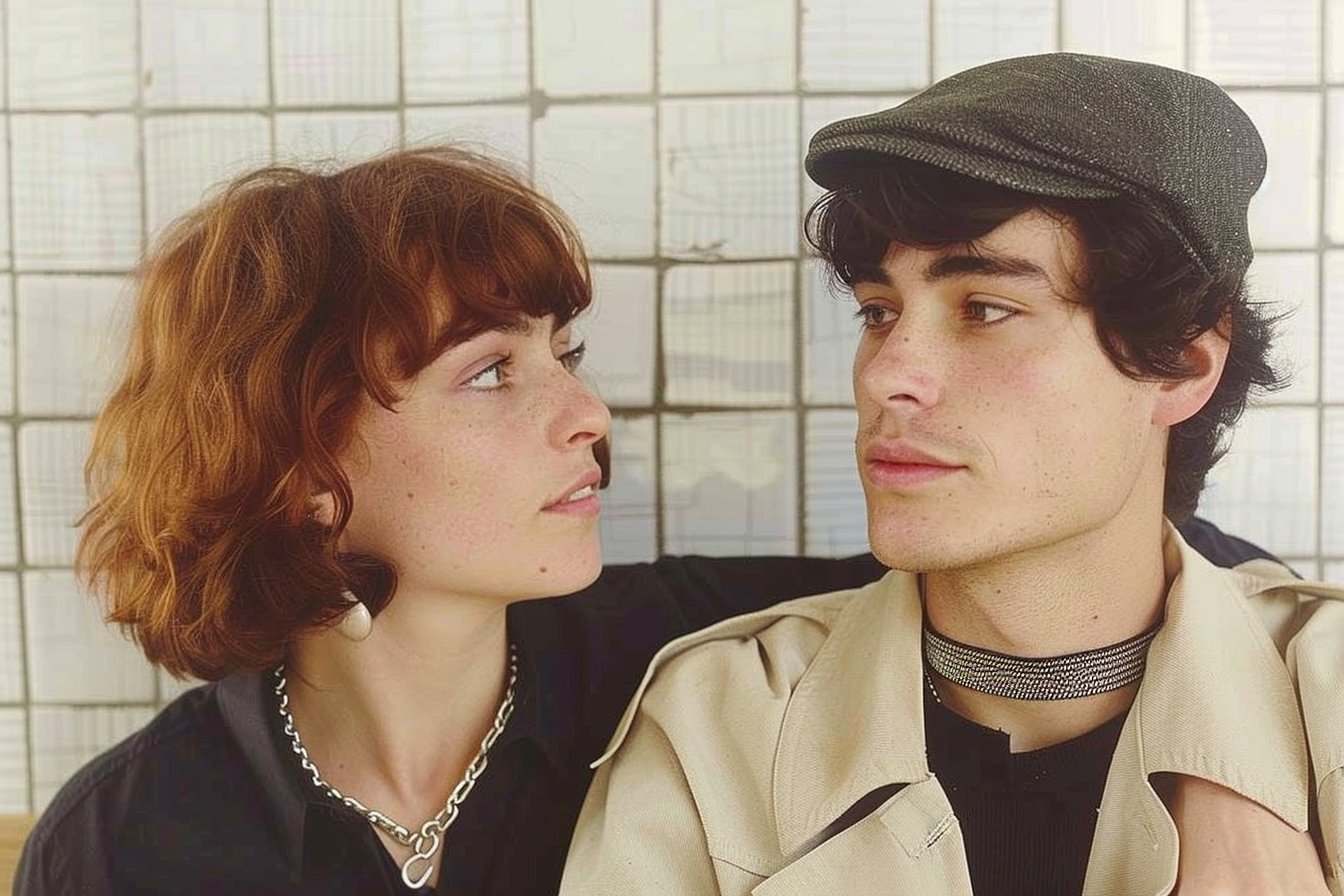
column 911, row 846
column 856, row 720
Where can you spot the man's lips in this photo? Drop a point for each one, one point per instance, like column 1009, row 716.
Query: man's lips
column 899, row 464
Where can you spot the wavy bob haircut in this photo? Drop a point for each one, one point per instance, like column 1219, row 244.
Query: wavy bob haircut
column 1149, row 300
column 263, row 319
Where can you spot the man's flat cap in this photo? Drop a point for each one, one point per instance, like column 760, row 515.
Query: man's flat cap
column 1066, row 125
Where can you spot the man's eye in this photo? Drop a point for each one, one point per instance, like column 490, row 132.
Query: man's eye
column 985, row 313
column 574, row 357
column 873, row 317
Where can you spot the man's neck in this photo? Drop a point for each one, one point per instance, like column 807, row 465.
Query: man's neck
column 1089, row 591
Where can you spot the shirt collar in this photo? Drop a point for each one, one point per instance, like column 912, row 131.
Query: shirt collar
column 545, row 716
column 249, row 716
column 1216, row 702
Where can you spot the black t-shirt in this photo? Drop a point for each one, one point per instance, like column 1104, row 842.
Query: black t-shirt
column 1027, row 819
column 208, row 798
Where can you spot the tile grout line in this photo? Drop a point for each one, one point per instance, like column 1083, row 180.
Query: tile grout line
column 401, row 73
column 20, row 541
column 140, row 158
column 661, row 267
column 1322, row 240
column 800, row 541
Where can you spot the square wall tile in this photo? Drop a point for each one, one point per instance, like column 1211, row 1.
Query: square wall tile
column 598, row 163
column 1332, row 482
column 1334, row 166
column 1333, row 324
column 567, row 35
column 728, row 334
column 335, row 52
column 1333, row 572
column 8, row 396
column 71, row 54
column 972, row 32
column 76, row 191
column 66, row 738
column 1146, row 30
column 864, row 44
column 730, row 483
column 708, row 46
column 11, row 641
column 341, row 138
column 629, row 521
column 1251, row 42
column 9, row 508
column 51, row 485
column 503, row 132
column 73, row 656
column 6, row 253
column 1264, row 490
column 830, row 337
column 820, row 111
column 836, row 518
column 465, row 50
column 14, row 761
column 1289, row 281
column 618, row 329
column 1286, row 210
column 1334, row 41
column 187, row 155
column 730, row 175
column 204, row 53
column 72, row 338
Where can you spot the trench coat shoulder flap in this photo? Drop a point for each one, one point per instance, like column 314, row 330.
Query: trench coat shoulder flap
column 1306, row 620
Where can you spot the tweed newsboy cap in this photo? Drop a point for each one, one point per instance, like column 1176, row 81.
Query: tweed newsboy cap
column 1067, row 125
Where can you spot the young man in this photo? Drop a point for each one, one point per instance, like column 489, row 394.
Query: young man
column 1047, row 256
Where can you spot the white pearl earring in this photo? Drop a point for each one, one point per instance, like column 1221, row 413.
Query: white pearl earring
column 356, row 623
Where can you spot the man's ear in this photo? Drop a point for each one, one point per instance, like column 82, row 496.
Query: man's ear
column 1179, row 400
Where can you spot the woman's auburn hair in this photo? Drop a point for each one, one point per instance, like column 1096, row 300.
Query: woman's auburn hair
column 263, row 319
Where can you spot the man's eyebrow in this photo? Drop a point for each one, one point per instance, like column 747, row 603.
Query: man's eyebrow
column 869, row 273
column 950, row 266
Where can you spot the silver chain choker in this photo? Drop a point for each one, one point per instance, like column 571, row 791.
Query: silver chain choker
column 1068, row 677
column 425, row 842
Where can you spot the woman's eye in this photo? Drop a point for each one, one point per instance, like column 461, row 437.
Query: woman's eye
column 874, row 317
column 574, row 357
column 491, row 377
column 985, row 313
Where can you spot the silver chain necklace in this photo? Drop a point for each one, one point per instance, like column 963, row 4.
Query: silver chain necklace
column 425, row 842
column 1083, row 674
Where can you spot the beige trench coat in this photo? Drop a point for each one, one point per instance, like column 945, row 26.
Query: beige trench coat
column 747, row 740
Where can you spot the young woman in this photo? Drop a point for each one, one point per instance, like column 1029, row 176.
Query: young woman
column 348, row 442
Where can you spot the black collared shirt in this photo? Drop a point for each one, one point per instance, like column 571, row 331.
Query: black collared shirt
column 208, row 798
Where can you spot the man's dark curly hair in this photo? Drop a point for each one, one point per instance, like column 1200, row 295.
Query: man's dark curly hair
column 1149, row 299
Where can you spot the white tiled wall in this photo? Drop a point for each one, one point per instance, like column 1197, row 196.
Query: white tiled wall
column 672, row 132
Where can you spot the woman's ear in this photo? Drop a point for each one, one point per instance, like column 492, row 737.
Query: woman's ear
column 1179, row 400
column 322, row 509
